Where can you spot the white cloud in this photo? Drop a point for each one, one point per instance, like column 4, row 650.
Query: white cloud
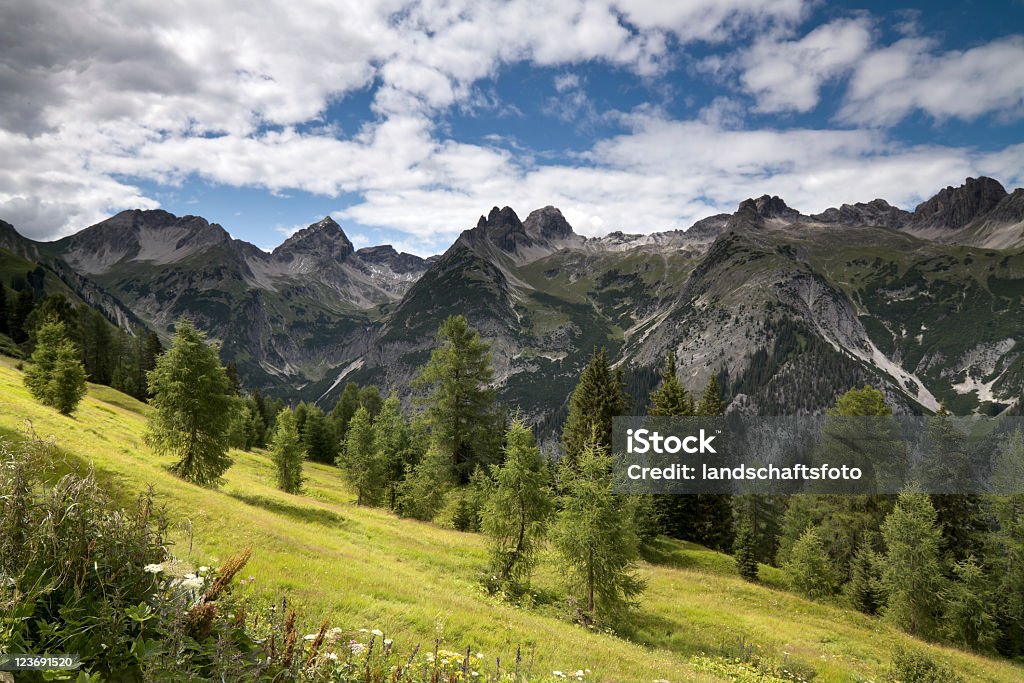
column 909, row 76
column 788, row 75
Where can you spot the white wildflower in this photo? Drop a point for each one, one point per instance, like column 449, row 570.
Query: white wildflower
column 356, row 648
column 203, row 570
column 331, row 656
column 558, row 674
column 153, row 568
column 309, row 636
column 388, row 641
column 189, row 576
column 377, row 632
column 193, row 582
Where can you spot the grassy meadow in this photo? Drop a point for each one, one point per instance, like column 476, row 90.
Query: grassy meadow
column 366, row 568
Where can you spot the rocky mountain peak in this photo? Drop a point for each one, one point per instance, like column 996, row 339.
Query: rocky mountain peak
column 387, row 255
column 547, row 223
column 876, row 213
column 323, row 238
column 768, row 207
column 955, row 207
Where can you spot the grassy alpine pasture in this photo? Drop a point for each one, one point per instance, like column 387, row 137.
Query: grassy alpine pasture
column 366, row 568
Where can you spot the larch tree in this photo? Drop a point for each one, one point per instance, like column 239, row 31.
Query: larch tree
column 912, row 571
column 56, row 377
column 595, row 535
column 287, row 452
column 192, row 407
column 360, row 460
column 460, row 400
column 518, row 506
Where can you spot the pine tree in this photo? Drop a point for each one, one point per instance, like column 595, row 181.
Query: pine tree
column 671, row 399
column 22, row 308
column 287, row 453
column 594, row 533
column 912, row 573
column 369, row 398
column 56, row 377
column 599, row 396
column 460, row 403
column 517, row 507
column 192, row 408
column 360, row 459
column 810, row 569
column 711, row 400
column 743, row 551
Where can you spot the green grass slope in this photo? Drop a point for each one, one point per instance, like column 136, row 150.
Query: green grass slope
column 365, row 568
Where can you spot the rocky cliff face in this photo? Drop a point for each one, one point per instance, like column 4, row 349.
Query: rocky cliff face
column 788, row 310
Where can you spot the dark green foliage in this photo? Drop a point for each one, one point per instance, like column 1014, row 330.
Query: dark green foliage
column 287, row 453
column 20, row 311
column 599, row 396
column 743, row 551
column 344, row 409
column 711, row 400
column 460, row 401
column 913, row 666
column 593, row 532
column 423, row 492
column 369, row 398
column 56, row 377
column 193, row 407
column 397, row 445
column 671, row 399
column 864, row 589
column 518, row 504
column 318, row 437
column 4, row 316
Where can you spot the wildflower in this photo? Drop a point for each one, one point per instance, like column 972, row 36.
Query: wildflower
column 193, row 582
column 377, row 632
column 309, row 636
column 356, row 648
column 153, row 568
column 558, row 674
column 579, row 673
column 331, row 656
column 479, row 655
column 189, row 576
column 203, row 570
column 389, row 642
column 363, row 630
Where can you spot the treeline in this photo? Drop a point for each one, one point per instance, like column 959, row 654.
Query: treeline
column 109, row 355
column 945, row 567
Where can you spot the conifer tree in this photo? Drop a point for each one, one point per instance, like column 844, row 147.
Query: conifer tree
column 671, row 399
column 318, row 437
column 594, row 533
column 287, row 452
column 809, row 568
column 912, row 570
column 864, row 589
column 968, row 619
column 711, row 400
column 744, row 552
column 517, row 508
column 460, row 403
column 56, row 377
column 360, row 461
column 394, row 443
column 343, row 411
column 4, row 328
column 369, row 398
column 599, row 396
column 192, row 407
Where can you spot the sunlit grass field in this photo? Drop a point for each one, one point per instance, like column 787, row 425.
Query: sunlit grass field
column 366, row 568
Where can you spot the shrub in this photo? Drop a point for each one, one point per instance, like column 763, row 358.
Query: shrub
column 911, row 666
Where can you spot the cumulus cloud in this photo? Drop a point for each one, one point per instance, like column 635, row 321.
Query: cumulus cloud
column 787, row 75
column 95, row 101
column 910, row 75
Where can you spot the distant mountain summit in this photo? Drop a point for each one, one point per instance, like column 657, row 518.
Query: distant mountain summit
column 787, row 310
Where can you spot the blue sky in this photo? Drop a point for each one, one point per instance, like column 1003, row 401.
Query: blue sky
column 405, row 121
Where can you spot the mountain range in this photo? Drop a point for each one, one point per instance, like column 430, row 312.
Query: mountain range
column 787, row 310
